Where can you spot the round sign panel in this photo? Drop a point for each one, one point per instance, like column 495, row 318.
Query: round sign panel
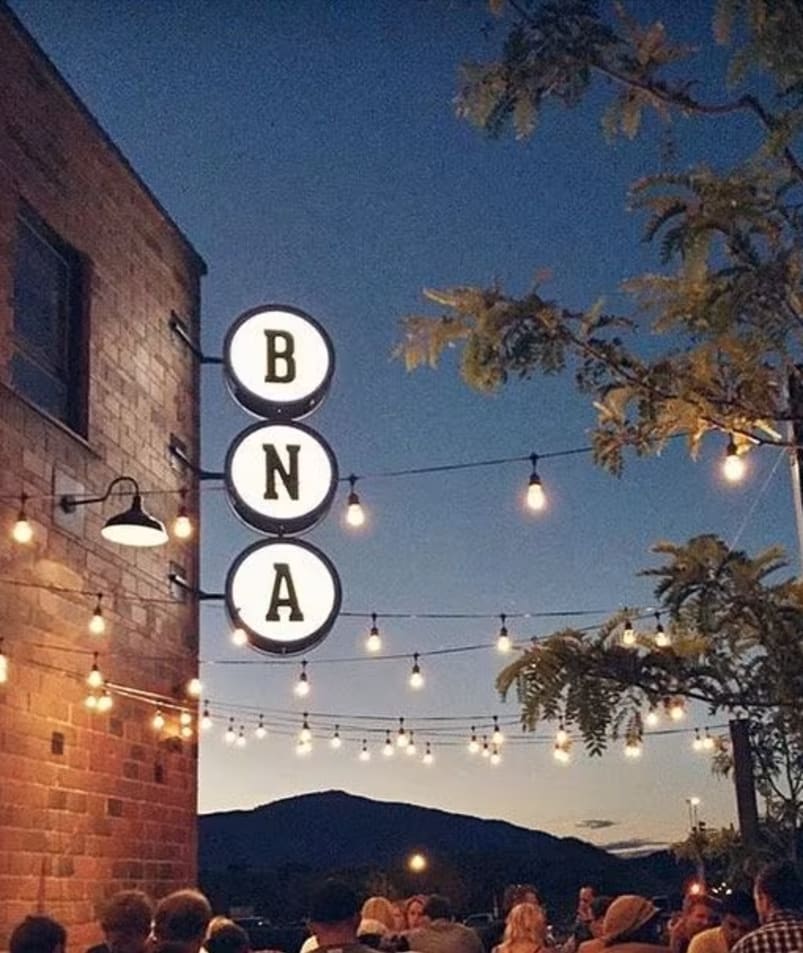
column 284, row 594
column 280, row 478
column 279, row 361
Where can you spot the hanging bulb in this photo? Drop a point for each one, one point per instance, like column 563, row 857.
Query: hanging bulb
column 260, row 731
column 410, row 747
column 486, row 751
column 561, row 753
column 94, row 679
column 429, row 757
column 158, row 720
column 239, row 637
column 105, row 702
column 633, row 747
column 91, row 701
column 303, row 748
column 206, row 718
column 536, row 498
column 336, row 741
column 733, row 466
column 97, row 624
column 182, row 524
column 387, row 748
column 697, row 744
column 662, row 639
column 22, row 531
column 503, row 643
column 561, row 735
column 194, row 687
column 302, row 685
column 497, row 737
column 185, row 718
column 495, row 758
column 416, row 678
column 231, row 735
column 365, row 754
column 401, row 736
column 628, row 633
column 473, row 744
column 3, row 665
column 241, row 741
column 677, row 709
column 708, row 742
column 355, row 515
column 186, row 731
column 652, row 718
column 305, row 734
column 374, row 641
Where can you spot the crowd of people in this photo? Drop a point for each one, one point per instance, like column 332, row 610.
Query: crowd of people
column 769, row 921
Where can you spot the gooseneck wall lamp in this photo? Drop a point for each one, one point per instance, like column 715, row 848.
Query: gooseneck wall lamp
column 133, row 527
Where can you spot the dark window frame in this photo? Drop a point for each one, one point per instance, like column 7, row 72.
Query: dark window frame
column 73, row 350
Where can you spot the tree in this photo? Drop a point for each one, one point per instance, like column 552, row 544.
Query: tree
column 729, row 298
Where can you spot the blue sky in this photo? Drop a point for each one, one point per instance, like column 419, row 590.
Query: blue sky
column 310, row 151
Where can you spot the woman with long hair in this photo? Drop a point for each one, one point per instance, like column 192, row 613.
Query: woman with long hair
column 525, row 930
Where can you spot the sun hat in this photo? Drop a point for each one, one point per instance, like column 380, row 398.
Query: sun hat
column 625, row 915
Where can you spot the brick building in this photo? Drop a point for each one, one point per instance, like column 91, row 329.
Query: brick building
column 93, row 383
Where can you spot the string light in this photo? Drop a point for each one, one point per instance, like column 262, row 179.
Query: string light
column 561, row 753
column 303, row 747
column 3, row 665
column 336, row 741
column 652, row 718
column 708, row 742
column 239, row 636
column 416, row 678
column 429, row 757
column 206, row 719
column 401, row 737
column 365, row 754
column 536, row 498
column 302, row 685
column 91, row 701
column 676, row 708
column 22, row 531
column 305, row 735
column 241, row 740
column 184, row 718
column 97, row 624
column 158, row 720
column 495, row 758
column 387, row 748
column 182, row 524
column 186, row 731
column 503, row 643
column 733, row 466
column 628, row 632
column 473, row 744
column 231, row 735
column 410, row 747
column 633, row 747
column 374, row 641
column 94, row 679
column 486, row 751
column 355, row 514
column 497, row 737
column 561, row 735
column 260, row 731
column 662, row 639
column 194, row 687
column 697, row 743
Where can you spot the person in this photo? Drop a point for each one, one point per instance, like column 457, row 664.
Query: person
column 439, row 933
column 599, row 907
column 631, row 925
column 491, row 935
column 413, row 911
column 377, row 919
column 778, row 894
column 334, row 916
column 525, row 930
column 38, row 934
column 698, row 915
column 738, row 918
column 225, row 936
column 180, row 922
column 126, row 923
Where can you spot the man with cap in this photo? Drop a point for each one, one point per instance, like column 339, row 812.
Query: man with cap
column 631, row 926
column 333, row 918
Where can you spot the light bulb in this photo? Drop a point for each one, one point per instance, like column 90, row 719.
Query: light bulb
column 182, row 524
column 206, row 719
column 416, row 678
column 3, row 665
column 633, row 748
column 473, row 744
column 374, row 641
column 561, row 735
column 733, row 466
column 22, row 531
column 97, row 624
column 401, row 738
column 239, row 636
column 410, row 748
column 185, row 718
column 303, row 748
column 194, row 687
column 662, row 639
column 365, row 754
column 158, row 720
column 503, row 642
column 302, row 685
column 697, row 743
column 355, row 515
column 486, row 751
column 561, row 754
column 240, row 741
column 677, row 709
column 186, row 731
column 305, row 735
column 495, row 758
column 628, row 634
column 91, row 702
column 652, row 718
column 387, row 748
column 231, row 735
column 708, row 742
column 260, row 731
column 336, row 741
column 536, row 498
column 105, row 702
column 94, row 679
column 429, row 757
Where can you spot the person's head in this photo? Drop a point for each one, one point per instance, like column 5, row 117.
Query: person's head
column 519, row 893
column 699, row 916
column 526, row 921
column 630, row 919
column 739, row 916
column 584, row 897
column 599, row 907
column 225, row 936
column 381, row 909
column 777, row 887
column 38, row 935
column 413, row 911
column 334, row 913
column 182, row 917
column 437, row 908
column 126, row 921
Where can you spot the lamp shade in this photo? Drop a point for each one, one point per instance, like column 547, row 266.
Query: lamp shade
column 135, row 527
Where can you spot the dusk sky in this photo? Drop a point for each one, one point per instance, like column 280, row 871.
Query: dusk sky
column 310, row 152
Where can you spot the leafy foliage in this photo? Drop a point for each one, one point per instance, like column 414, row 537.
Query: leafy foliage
column 728, row 300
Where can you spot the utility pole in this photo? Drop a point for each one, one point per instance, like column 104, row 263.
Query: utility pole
column 744, row 781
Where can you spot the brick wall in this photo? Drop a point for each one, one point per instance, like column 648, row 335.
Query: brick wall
column 91, row 803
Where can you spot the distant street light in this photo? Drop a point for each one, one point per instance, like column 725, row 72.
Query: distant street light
column 417, row 863
column 693, row 803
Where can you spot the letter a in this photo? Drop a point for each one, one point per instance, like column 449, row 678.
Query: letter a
column 282, row 575
column 276, row 354
column 289, row 475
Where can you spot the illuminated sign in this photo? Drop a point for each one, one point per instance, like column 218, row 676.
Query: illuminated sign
column 280, row 478
column 284, row 593
column 278, row 361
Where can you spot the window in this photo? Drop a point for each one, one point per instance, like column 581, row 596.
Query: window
column 47, row 363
